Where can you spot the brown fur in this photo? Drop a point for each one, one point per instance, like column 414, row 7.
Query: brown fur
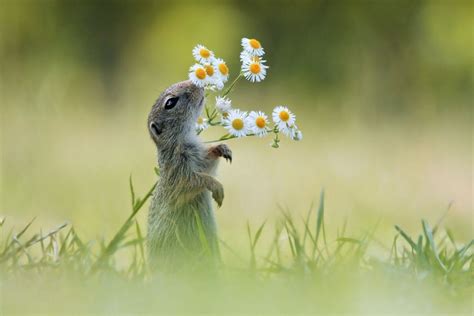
column 181, row 224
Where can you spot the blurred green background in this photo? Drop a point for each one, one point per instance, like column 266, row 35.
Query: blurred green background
column 382, row 91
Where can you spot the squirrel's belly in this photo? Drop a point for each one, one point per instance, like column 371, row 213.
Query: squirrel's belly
column 181, row 233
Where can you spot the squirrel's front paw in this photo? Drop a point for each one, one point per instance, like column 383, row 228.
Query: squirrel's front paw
column 224, row 151
column 221, row 150
column 217, row 193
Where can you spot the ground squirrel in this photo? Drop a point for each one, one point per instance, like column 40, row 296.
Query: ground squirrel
column 181, row 223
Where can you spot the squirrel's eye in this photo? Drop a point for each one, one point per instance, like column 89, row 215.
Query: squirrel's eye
column 171, row 102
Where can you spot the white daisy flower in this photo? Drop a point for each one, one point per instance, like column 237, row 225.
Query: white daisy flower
column 223, row 104
column 222, row 70
column 283, row 118
column 252, row 46
column 298, row 135
column 202, row 54
column 291, row 132
column 218, row 83
column 198, row 75
column 254, row 71
column 236, row 123
column 258, row 122
column 246, row 57
column 212, row 76
column 201, row 124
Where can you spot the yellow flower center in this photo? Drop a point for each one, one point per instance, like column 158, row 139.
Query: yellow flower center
column 204, row 53
column 225, row 114
column 200, row 73
column 284, row 116
column 238, row 124
column 209, row 70
column 200, row 120
column 255, row 68
column 260, row 122
column 254, row 43
column 223, row 69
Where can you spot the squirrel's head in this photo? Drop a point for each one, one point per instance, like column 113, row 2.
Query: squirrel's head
column 174, row 114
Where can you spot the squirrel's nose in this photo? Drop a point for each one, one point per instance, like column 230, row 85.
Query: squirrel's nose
column 194, row 89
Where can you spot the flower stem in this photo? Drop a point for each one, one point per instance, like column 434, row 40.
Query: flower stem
column 229, row 89
column 225, row 137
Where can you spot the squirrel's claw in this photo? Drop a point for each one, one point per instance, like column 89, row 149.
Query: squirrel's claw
column 228, row 158
column 225, row 152
column 221, row 150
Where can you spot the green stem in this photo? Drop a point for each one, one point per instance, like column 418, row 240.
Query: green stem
column 229, row 89
column 225, row 137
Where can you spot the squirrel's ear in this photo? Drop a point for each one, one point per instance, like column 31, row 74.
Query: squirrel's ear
column 156, row 129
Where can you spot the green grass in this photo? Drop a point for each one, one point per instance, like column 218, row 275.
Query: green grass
column 299, row 270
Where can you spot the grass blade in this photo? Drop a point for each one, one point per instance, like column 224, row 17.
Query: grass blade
column 429, row 236
column 406, row 237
